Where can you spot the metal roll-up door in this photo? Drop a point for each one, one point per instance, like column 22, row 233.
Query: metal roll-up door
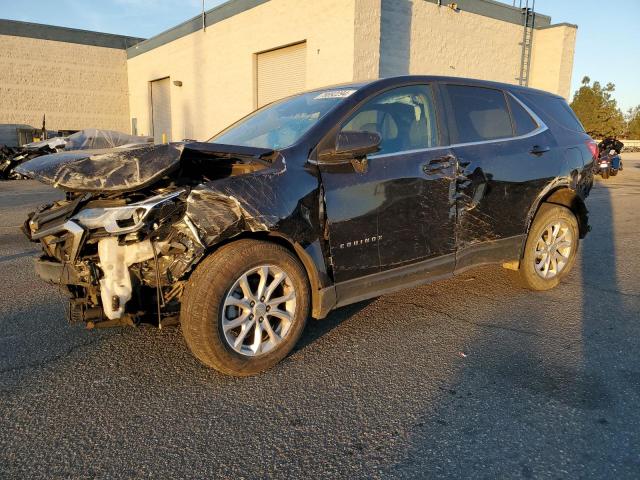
column 281, row 73
column 161, row 109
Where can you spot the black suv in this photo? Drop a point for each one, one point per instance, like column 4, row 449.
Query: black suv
column 316, row 201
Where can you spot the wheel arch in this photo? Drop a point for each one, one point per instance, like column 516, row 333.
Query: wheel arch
column 564, row 196
column 322, row 293
column 567, row 197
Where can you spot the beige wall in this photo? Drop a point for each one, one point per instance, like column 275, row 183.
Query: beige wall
column 366, row 62
column 552, row 59
column 76, row 86
column 463, row 44
column 344, row 43
column 217, row 67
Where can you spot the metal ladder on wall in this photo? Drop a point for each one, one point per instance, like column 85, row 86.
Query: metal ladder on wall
column 528, row 24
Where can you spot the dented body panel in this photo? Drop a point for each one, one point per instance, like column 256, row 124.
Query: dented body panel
column 360, row 228
column 121, row 170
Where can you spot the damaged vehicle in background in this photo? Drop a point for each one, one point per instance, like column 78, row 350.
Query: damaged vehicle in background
column 91, row 138
column 314, row 202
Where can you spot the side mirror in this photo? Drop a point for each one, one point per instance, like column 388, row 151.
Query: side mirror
column 357, row 144
column 352, row 145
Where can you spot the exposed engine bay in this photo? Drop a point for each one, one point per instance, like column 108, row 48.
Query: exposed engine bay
column 124, row 241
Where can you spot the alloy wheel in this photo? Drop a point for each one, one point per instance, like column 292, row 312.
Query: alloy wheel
column 553, row 249
column 259, row 310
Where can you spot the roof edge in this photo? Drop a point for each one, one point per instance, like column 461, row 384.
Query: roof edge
column 41, row 31
column 562, row 24
column 488, row 8
column 496, row 10
column 212, row 16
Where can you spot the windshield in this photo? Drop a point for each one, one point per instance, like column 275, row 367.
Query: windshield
column 281, row 124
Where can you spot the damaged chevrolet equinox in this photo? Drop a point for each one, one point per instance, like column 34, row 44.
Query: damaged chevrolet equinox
column 313, row 202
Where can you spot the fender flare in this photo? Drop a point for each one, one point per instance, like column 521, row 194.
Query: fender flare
column 323, row 296
column 564, row 195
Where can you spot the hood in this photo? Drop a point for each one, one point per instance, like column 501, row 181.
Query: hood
column 113, row 170
column 126, row 169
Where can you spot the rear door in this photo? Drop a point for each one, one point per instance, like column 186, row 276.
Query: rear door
column 567, row 130
column 397, row 210
column 505, row 155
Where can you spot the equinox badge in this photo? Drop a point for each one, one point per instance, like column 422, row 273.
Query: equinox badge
column 355, row 243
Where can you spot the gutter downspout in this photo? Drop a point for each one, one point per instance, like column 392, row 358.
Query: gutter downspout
column 204, row 16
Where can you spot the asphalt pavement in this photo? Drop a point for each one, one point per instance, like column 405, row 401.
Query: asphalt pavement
column 472, row 377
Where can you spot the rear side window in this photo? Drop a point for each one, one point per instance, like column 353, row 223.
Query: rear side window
column 523, row 123
column 479, row 114
column 554, row 109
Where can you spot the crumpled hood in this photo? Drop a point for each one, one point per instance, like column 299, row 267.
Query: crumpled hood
column 110, row 170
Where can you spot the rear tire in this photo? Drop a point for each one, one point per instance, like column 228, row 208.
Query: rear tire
column 231, row 318
column 614, row 173
column 605, row 174
column 551, row 248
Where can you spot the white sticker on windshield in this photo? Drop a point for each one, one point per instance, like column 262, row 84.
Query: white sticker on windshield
column 335, row 94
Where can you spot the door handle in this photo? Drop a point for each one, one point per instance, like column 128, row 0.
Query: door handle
column 538, row 150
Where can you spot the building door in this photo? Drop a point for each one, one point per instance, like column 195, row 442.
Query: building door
column 281, row 72
column 161, row 110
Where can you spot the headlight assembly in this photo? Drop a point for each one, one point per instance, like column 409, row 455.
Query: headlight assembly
column 127, row 219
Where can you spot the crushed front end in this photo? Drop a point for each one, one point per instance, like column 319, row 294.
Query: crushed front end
column 121, row 258
column 123, row 241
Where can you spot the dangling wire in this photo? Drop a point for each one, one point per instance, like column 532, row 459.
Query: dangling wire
column 159, row 297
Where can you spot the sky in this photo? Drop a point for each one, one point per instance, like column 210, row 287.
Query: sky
column 607, row 46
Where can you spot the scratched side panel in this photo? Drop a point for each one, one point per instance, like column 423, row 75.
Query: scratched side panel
column 282, row 200
column 497, row 184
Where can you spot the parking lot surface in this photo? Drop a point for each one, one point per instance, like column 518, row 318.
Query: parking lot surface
column 470, row 377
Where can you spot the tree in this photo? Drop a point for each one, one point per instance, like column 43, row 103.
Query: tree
column 597, row 109
column 633, row 123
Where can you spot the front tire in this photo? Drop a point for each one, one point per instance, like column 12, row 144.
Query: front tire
column 245, row 307
column 551, row 247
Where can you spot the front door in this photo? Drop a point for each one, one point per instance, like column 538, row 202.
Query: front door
column 397, row 209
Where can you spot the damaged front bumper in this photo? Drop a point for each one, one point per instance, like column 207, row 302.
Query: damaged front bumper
column 134, row 222
column 118, row 261
column 77, row 279
column 122, row 282
column 52, row 271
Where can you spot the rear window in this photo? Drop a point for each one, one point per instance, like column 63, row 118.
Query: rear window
column 556, row 110
column 479, row 114
column 523, row 123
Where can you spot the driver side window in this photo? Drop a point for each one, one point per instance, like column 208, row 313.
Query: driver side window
column 404, row 118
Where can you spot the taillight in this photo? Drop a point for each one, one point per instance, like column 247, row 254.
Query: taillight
column 593, row 148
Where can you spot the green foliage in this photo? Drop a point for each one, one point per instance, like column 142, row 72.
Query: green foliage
column 597, row 109
column 633, row 123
